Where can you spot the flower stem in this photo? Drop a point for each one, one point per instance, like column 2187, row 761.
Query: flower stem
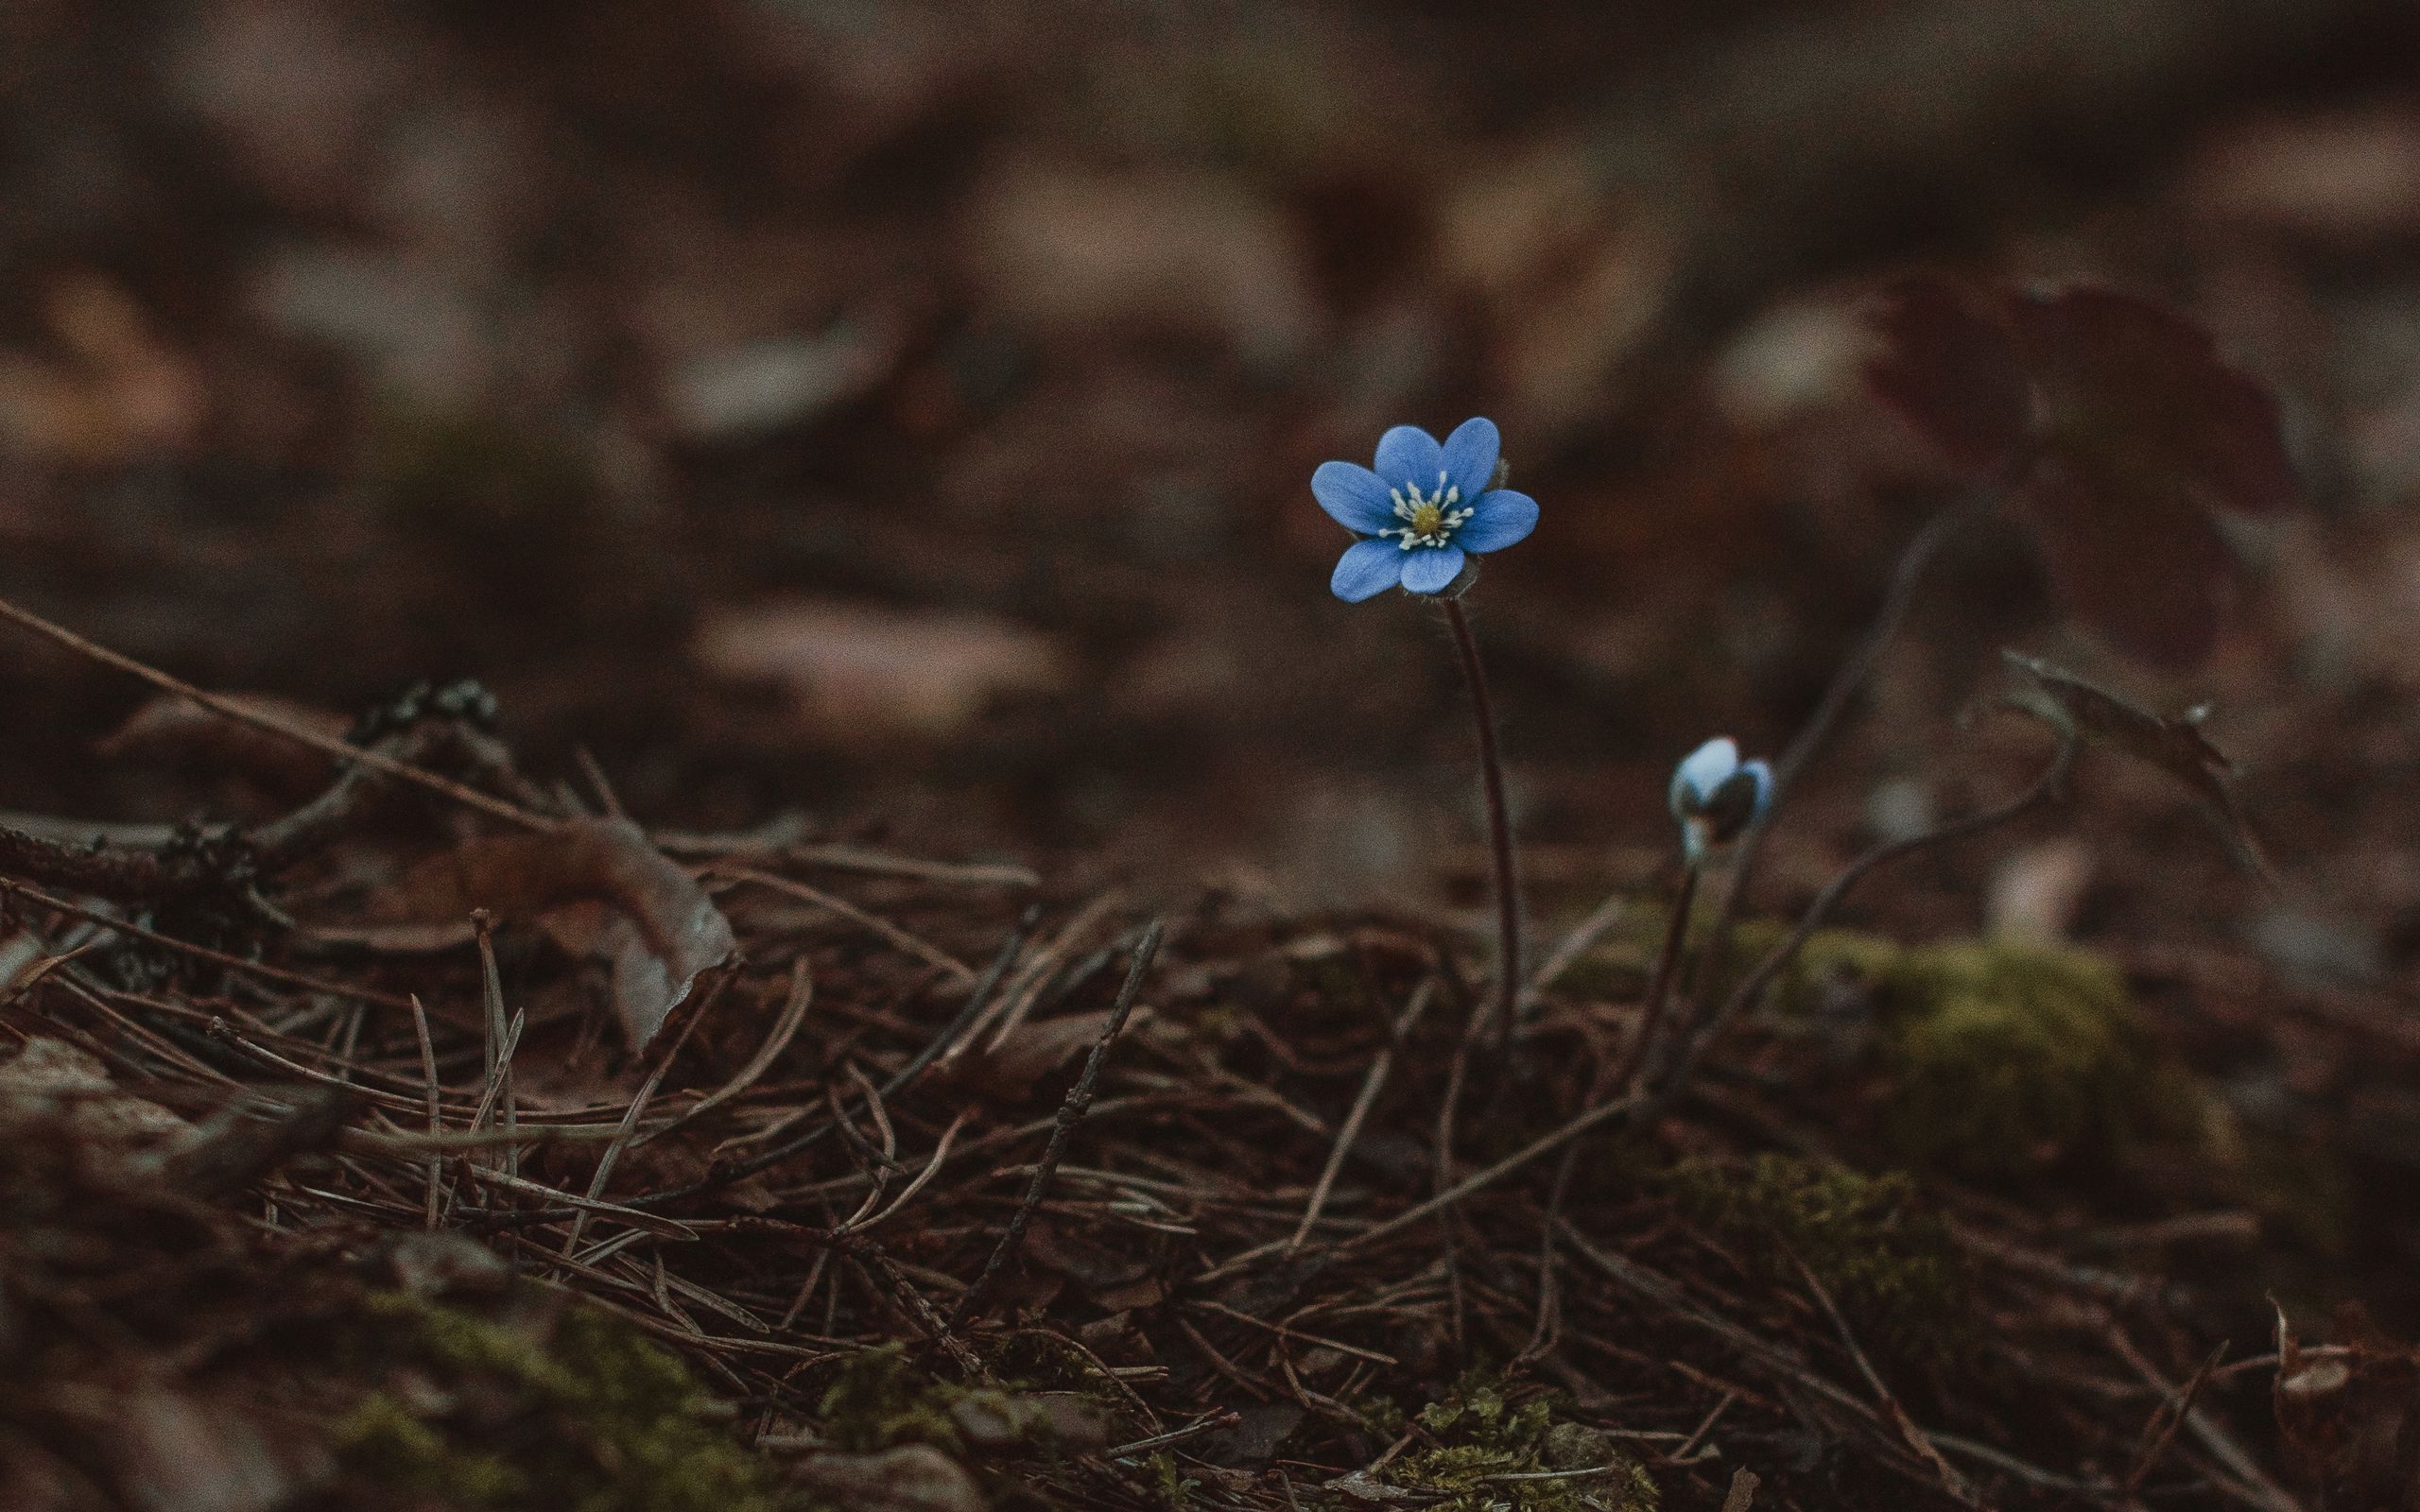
column 1499, row 826
column 1659, row 984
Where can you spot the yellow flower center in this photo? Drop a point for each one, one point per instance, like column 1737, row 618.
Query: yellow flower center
column 1431, row 518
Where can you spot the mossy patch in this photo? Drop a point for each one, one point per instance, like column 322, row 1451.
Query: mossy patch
column 884, row 1398
column 2007, row 1059
column 1885, row 1258
column 542, row 1406
column 1484, row 1452
column 2002, row 1058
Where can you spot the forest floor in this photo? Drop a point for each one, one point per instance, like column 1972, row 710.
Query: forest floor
column 686, row 823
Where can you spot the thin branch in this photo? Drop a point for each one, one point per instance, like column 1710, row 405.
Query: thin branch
column 234, row 710
column 1071, row 1113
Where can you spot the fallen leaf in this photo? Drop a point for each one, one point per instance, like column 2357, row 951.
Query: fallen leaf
column 2137, row 385
column 1069, row 250
column 597, row 887
column 173, row 728
column 2349, row 1418
column 860, row 672
column 120, row 393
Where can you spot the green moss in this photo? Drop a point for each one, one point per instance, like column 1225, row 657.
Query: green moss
column 1885, row 1258
column 2009, row 1059
column 881, row 1397
column 1478, row 1432
column 1169, row 1483
column 2003, row 1058
column 382, row 1441
column 573, row 1403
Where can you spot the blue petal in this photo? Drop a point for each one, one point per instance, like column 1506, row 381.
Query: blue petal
column 1764, row 776
column 1430, row 568
column 1470, row 456
column 1701, row 771
column 1354, row 497
column 1499, row 518
column 1411, row 454
column 1367, row 569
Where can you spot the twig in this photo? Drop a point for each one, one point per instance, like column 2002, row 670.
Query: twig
column 1568, row 950
column 1659, row 983
column 1478, row 1180
column 801, row 996
column 2165, row 1420
column 234, row 710
column 503, row 1034
column 232, row 963
column 106, row 870
column 1175, row 1436
column 1071, row 1113
column 2214, row 1438
column 1951, row 1481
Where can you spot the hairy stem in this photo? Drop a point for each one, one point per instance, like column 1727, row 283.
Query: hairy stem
column 1500, row 825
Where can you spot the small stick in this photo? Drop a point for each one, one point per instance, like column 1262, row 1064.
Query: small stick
column 234, row 710
column 621, row 1140
column 1175, row 1436
column 1071, row 1113
column 2165, row 1419
column 233, row 963
column 801, row 996
column 1543, row 1144
column 1568, row 950
column 1500, row 825
column 1951, row 1481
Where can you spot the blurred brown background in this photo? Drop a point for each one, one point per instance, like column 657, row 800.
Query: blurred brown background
column 903, row 413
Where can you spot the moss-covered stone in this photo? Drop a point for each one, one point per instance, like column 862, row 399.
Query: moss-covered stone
column 1478, row 1437
column 1885, row 1258
column 564, row 1406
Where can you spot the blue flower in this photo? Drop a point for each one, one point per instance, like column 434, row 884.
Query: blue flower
column 1426, row 508
column 1717, row 796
